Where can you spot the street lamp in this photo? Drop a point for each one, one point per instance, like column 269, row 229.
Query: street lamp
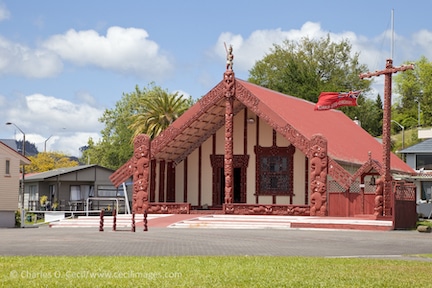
column 23, row 153
column 403, row 132
column 46, row 141
column 23, row 173
column 418, row 111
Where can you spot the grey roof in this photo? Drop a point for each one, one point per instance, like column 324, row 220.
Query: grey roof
column 422, row 147
column 11, row 143
column 60, row 171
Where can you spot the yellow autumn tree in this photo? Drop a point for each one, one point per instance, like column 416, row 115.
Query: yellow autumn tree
column 46, row 161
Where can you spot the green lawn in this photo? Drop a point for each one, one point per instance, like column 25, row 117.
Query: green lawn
column 217, row 271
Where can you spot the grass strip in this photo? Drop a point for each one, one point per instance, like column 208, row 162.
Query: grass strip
column 214, row 271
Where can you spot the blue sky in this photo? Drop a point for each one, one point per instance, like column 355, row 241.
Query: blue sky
column 62, row 63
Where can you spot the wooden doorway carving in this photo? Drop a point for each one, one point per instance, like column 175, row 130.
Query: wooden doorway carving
column 240, row 165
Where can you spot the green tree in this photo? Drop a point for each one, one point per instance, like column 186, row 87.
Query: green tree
column 414, row 88
column 306, row 68
column 370, row 114
column 45, row 161
column 115, row 146
column 122, row 122
column 160, row 109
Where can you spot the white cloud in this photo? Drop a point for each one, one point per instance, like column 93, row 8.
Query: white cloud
column 4, row 12
column 423, row 38
column 39, row 116
column 125, row 50
column 373, row 52
column 17, row 59
column 61, row 113
column 249, row 50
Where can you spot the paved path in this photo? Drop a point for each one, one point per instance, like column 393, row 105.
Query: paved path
column 160, row 241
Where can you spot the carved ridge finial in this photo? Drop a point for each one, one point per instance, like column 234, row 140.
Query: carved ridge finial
column 229, row 57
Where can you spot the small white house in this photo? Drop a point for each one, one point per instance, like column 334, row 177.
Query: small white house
column 10, row 162
column 419, row 157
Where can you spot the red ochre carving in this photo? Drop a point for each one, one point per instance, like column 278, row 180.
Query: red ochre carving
column 317, row 155
column 141, row 173
column 379, row 200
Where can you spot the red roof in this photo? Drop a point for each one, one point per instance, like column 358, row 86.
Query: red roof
column 346, row 141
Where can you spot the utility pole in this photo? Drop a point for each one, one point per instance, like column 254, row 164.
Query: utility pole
column 388, row 71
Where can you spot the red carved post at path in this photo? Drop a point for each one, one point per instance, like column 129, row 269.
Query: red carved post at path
column 145, row 221
column 114, row 219
column 101, row 221
column 388, row 71
column 133, row 222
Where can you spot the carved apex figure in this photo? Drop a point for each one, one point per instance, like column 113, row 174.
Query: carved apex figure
column 230, row 57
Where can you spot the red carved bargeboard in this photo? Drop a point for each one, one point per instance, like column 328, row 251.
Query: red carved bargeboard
column 267, row 209
column 168, row 208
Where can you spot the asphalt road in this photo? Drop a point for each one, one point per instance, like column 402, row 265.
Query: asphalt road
column 201, row 241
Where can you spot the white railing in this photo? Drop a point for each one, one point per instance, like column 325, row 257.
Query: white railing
column 102, row 199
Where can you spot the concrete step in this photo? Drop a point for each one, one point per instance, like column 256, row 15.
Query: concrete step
column 94, row 221
column 280, row 222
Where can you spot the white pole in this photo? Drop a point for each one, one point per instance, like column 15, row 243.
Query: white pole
column 392, row 35
column 126, row 199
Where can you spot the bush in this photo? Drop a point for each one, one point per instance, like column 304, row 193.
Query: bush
column 17, row 218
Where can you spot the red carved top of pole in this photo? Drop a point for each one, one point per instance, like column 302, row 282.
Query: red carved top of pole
column 389, row 70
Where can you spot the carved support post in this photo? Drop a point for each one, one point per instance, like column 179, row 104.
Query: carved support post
column 229, row 91
column 141, row 173
column 317, row 156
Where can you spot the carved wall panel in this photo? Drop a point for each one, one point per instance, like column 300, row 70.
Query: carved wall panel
column 266, row 209
column 141, row 160
column 317, row 155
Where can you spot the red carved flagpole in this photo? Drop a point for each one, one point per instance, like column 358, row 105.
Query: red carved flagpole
column 388, row 71
column 229, row 92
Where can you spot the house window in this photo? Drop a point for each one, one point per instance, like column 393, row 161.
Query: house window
column 75, row 193
column 108, row 191
column 426, row 190
column 274, row 170
column 81, row 192
column 424, row 162
column 7, row 170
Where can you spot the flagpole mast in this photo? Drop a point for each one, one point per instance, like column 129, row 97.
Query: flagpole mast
column 392, row 35
column 388, row 71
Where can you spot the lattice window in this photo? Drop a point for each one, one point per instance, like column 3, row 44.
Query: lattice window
column 274, row 174
column 355, row 187
column 334, row 187
column 274, row 170
column 405, row 192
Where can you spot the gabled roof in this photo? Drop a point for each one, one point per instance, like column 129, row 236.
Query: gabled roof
column 23, row 160
column 347, row 142
column 11, row 143
column 422, row 147
column 61, row 171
